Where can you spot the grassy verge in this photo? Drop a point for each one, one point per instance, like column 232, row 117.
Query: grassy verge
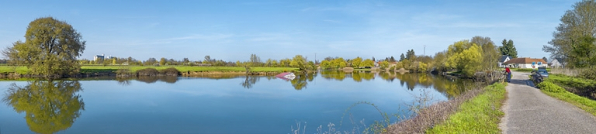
column 481, row 114
column 560, row 93
column 92, row 69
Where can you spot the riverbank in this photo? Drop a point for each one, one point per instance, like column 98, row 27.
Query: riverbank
column 475, row 111
column 132, row 71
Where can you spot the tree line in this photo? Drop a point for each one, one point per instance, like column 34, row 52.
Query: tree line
column 53, row 46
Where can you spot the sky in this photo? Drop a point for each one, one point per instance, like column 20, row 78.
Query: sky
column 232, row 30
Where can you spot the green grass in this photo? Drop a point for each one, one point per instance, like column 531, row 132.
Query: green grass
column 560, row 93
column 10, row 69
column 92, row 69
column 575, row 82
column 481, row 114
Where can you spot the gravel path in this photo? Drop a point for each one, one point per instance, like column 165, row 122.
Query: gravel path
column 527, row 110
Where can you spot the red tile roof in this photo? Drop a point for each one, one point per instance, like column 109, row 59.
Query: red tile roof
column 524, row 61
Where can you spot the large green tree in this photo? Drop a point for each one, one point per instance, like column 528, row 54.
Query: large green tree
column 508, row 48
column 51, row 47
column 576, row 23
column 465, row 57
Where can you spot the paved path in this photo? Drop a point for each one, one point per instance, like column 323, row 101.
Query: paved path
column 527, row 110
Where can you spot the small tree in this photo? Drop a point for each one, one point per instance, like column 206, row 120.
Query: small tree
column 162, row 61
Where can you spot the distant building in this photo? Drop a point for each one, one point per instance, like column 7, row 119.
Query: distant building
column 503, row 59
column 526, row 63
column 556, row 63
column 98, row 57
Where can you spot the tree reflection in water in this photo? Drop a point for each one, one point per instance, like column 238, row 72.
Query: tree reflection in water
column 300, row 81
column 250, row 81
column 49, row 106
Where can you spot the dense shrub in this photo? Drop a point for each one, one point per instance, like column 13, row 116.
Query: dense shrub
column 170, row 71
column 588, row 74
column 551, row 87
column 148, row 72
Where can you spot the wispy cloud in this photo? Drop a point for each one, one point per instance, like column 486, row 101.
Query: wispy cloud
column 202, row 37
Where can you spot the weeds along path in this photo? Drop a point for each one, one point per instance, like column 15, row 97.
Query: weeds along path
column 527, row 110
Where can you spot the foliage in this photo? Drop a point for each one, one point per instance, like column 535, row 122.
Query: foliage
column 481, row 114
column 333, row 63
column 465, row 57
column 490, row 53
column 508, row 48
column 411, row 55
column 299, row 62
column 367, row 63
column 384, row 64
column 422, row 67
column 550, row 87
column 575, row 24
column 356, row 62
column 51, row 47
column 583, row 52
column 162, row 61
column 255, row 60
column 402, row 57
column 49, row 106
column 588, row 73
column 440, row 60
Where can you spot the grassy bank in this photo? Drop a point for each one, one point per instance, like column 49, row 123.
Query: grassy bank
column 481, row 114
column 93, row 69
column 475, row 111
column 556, row 91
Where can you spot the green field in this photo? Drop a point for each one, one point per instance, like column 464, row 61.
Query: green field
column 92, row 69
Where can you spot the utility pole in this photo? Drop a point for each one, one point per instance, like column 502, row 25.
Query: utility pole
column 424, row 50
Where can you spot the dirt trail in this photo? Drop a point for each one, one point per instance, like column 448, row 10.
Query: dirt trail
column 527, row 110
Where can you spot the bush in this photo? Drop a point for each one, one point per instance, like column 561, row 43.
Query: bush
column 551, row 87
column 170, row 71
column 148, row 72
column 588, row 74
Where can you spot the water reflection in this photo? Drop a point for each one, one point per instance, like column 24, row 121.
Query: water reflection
column 449, row 86
column 250, row 81
column 49, row 106
column 148, row 79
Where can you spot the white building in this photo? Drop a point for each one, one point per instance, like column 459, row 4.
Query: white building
column 525, row 63
column 503, row 59
column 98, row 57
column 555, row 63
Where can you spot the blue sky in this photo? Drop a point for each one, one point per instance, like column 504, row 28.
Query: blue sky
column 276, row 29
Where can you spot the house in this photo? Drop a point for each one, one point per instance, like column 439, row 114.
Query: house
column 525, row 63
column 556, row 63
column 98, row 57
column 503, row 59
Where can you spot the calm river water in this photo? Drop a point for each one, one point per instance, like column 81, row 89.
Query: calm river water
column 218, row 104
